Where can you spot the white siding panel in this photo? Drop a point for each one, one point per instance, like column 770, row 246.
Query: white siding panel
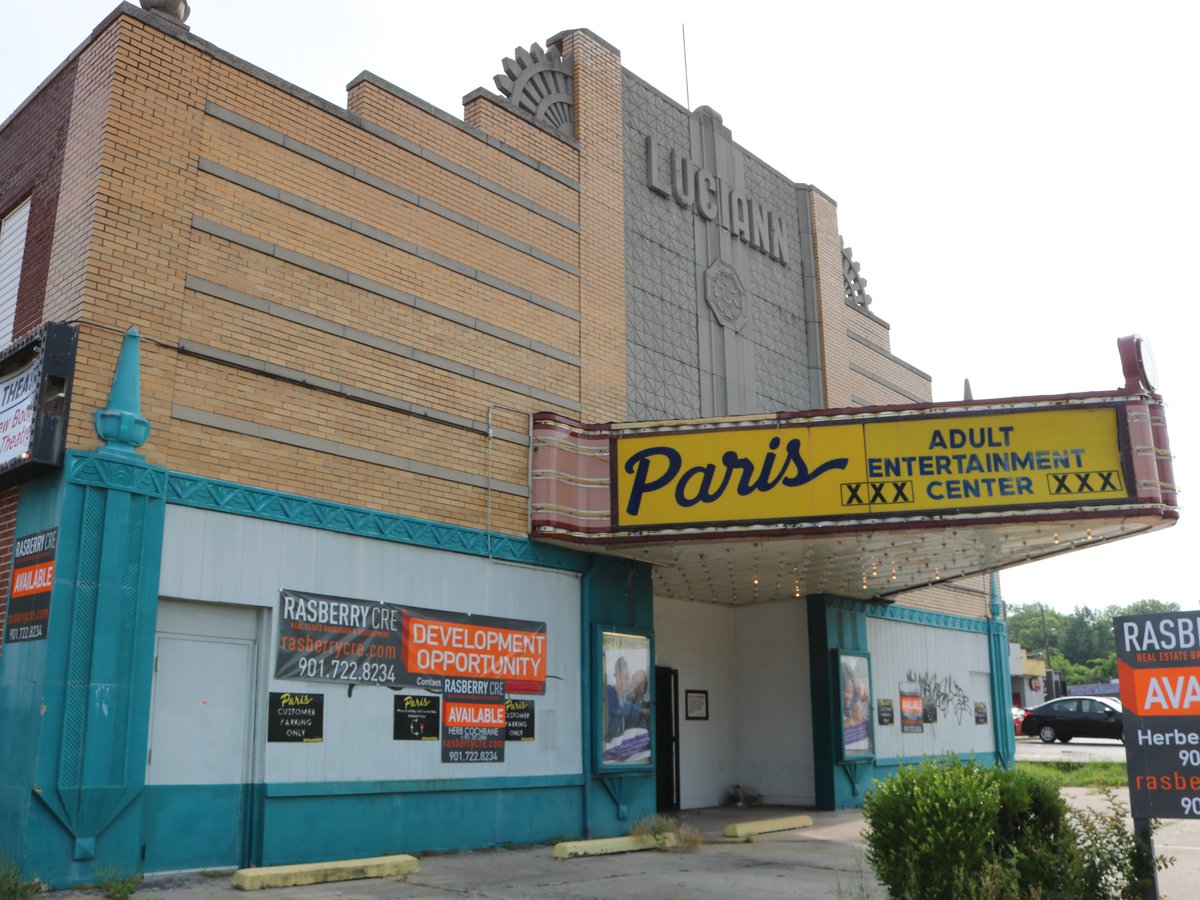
column 754, row 664
column 953, row 664
column 220, row 558
column 697, row 639
column 775, row 702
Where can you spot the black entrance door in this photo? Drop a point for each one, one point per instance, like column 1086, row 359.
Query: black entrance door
column 666, row 728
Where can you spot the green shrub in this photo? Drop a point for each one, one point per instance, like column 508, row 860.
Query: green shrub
column 928, row 824
column 948, row 829
column 1113, row 861
column 1033, row 831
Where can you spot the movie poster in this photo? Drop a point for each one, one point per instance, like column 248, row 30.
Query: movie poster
column 625, row 662
column 854, row 689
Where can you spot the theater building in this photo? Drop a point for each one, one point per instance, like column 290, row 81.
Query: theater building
column 377, row 481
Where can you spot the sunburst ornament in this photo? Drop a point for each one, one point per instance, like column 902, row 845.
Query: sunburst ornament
column 725, row 295
column 542, row 83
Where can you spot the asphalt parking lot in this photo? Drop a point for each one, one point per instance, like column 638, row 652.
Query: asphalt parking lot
column 1031, row 749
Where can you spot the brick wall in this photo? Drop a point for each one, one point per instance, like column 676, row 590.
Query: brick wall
column 602, row 218
column 32, row 147
column 336, row 304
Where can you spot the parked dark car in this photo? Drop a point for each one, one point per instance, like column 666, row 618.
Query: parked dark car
column 1072, row 717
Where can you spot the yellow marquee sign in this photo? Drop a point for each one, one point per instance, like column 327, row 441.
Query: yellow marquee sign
column 892, row 466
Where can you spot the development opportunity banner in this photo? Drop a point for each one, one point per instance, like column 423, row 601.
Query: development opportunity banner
column 1158, row 661
column 323, row 638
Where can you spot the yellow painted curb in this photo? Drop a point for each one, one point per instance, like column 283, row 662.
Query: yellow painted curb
column 602, row 846
column 318, row 873
column 762, row 826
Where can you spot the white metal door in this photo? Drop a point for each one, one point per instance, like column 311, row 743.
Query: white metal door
column 199, row 763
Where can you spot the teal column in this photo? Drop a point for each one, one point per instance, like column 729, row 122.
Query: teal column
column 1006, row 741
column 616, row 593
column 91, row 760
column 833, row 624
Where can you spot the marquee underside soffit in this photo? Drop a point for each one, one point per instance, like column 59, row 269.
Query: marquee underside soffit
column 876, row 563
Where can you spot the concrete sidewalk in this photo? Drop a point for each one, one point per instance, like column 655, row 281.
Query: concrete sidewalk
column 822, row 861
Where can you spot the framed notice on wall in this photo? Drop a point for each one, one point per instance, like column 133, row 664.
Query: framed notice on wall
column 854, row 704
column 696, row 704
column 296, row 718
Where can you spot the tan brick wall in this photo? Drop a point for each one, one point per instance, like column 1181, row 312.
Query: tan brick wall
column 490, row 115
column 967, row 597
column 248, row 420
column 602, row 215
column 74, row 219
column 843, row 356
column 393, row 112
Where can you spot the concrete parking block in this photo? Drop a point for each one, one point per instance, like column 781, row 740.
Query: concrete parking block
column 319, row 873
column 604, row 846
column 763, row 826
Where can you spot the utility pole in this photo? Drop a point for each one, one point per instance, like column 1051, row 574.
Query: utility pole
column 1049, row 682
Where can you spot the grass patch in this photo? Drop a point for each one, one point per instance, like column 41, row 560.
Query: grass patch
column 13, row 885
column 660, row 828
column 1080, row 774
column 114, row 884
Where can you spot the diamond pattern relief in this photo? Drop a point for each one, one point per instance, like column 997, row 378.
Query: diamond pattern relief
column 674, row 392
column 660, row 280
column 662, row 325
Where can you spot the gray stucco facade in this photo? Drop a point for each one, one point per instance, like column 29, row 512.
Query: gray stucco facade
column 719, row 321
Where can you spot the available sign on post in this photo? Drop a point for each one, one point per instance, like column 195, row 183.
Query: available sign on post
column 1158, row 660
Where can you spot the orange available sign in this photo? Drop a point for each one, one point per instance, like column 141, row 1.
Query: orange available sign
column 33, row 579
column 1171, row 691
column 480, row 715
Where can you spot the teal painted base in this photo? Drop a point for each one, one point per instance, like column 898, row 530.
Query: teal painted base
column 310, row 829
column 202, row 826
column 195, row 826
column 61, row 859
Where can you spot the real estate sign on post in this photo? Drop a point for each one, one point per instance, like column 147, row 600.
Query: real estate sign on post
column 1158, row 660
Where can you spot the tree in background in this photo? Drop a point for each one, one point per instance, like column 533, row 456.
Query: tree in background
column 1081, row 641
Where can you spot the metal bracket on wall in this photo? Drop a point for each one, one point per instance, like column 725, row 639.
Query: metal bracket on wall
column 852, row 768
column 616, row 790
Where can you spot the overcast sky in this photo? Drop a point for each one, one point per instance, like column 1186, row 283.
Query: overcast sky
column 1018, row 181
